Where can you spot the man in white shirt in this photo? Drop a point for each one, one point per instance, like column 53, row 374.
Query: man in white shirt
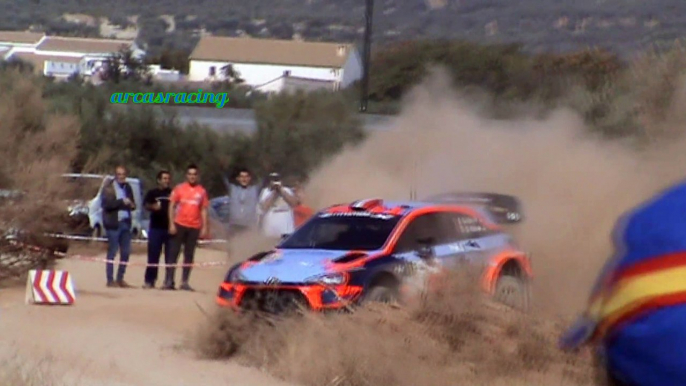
column 276, row 205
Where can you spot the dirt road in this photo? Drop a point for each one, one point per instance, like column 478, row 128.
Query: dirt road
column 122, row 337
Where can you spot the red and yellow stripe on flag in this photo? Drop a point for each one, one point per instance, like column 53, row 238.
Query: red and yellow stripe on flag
column 638, row 289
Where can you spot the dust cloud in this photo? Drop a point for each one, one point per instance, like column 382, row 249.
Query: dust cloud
column 573, row 186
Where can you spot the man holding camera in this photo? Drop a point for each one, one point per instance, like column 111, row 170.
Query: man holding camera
column 276, row 206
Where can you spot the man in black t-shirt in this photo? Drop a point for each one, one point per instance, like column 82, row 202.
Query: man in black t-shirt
column 157, row 202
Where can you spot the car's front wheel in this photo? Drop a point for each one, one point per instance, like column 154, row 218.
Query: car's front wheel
column 513, row 291
column 382, row 294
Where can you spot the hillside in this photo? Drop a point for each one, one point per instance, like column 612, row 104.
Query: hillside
column 621, row 25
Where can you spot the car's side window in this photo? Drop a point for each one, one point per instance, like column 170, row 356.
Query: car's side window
column 426, row 226
column 468, row 227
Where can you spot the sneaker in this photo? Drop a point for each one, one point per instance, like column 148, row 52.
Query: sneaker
column 111, row 284
column 186, row 287
column 123, row 284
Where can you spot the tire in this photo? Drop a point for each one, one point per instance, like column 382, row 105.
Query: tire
column 513, row 292
column 381, row 294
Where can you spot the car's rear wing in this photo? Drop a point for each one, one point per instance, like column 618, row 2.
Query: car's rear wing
column 502, row 207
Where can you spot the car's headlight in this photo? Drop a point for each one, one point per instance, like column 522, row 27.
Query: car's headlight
column 336, row 278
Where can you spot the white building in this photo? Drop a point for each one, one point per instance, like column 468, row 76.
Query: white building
column 59, row 56
column 19, row 41
column 265, row 63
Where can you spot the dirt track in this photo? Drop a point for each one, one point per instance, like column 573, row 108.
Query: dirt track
column 122, row 337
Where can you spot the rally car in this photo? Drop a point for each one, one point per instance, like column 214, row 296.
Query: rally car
column 372, row 250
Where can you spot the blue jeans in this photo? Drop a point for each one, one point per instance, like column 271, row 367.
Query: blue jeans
column 118, row 239
column 157, row 239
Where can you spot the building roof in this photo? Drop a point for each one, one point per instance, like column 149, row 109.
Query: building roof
column 38, row 61
column 20, row 37
column 82, row 45
column 270, row 51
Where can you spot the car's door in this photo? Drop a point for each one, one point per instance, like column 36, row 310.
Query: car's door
column 420, row 249
column 420, row 238
column 474, row 239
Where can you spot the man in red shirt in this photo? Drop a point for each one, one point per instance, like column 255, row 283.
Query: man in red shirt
column 187, row 223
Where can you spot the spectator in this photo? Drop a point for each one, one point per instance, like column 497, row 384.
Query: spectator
column 301, row 212
column 117, row 204
column 243, row 198
column 188, row 204
column 157, row 202
column 276, row 206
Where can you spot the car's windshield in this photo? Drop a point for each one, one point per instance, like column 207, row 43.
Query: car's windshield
column 343, row 232
column 81, row 188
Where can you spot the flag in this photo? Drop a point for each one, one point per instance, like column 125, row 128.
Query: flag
column 637, row 310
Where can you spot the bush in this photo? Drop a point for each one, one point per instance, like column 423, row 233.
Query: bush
column 297, row 132
column 36, row 146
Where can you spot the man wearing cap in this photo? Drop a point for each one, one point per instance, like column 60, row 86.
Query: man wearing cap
column 276, row 208
column 636, row 316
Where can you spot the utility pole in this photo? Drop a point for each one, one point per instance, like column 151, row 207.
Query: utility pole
column 369, row 14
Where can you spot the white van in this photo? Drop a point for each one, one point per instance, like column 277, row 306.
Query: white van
column 85, row 200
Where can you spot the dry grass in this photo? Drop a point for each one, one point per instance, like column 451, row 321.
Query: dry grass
column 454, row 334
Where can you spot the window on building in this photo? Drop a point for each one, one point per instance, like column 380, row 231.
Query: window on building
column 287, row 73
column 213, row 71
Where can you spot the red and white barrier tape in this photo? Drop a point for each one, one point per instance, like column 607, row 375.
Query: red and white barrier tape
column 140, row 241
column 142, row 264
column 128, row 263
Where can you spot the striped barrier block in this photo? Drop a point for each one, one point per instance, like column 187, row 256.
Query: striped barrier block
column 50, row 287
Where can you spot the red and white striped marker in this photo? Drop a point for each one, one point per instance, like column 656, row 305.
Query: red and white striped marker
column 49, row 287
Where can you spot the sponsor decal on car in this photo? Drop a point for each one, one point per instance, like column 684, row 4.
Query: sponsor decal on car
column 381, row 216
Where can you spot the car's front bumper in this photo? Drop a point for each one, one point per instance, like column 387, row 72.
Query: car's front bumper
column 276, row 299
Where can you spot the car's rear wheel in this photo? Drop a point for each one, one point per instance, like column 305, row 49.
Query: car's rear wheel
column 513, row 291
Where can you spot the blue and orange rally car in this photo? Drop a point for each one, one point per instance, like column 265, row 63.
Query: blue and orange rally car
column 372, row 250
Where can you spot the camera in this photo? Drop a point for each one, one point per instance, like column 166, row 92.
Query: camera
column 274, row 179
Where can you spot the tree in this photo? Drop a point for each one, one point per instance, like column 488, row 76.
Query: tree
column 124, row 65
column 231, row 75
column 296, row 133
